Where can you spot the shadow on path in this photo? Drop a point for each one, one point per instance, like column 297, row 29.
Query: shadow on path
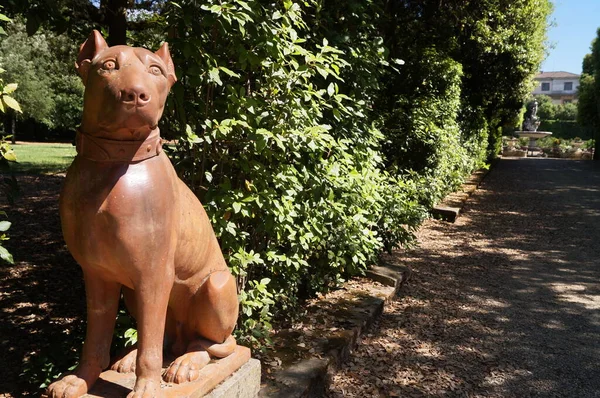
column 42, row 297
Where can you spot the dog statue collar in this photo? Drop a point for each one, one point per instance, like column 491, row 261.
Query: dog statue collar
column 105, row 150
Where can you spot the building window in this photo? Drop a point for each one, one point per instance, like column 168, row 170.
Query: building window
column 545, row 86
column 568, row 86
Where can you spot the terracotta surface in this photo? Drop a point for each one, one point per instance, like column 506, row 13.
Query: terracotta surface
column 136, row 229
column 115, row 385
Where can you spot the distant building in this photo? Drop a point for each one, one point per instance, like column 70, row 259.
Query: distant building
column 560, row 86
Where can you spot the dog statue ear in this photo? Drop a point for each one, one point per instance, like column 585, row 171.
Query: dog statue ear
column 88, row 50
column 165, row 55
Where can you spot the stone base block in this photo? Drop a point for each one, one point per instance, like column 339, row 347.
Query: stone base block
column 230, row 371
column 514, row 154
column 446, row 213
column 244, row 383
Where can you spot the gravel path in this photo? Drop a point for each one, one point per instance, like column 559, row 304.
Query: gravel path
column 503, row 303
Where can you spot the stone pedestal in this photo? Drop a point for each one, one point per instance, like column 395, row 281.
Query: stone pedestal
column 236, row 376
column 244, row 383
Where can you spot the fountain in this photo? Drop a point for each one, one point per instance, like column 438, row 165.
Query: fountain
column 530, row 126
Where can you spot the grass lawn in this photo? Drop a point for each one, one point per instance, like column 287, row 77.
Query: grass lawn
column 42, row 158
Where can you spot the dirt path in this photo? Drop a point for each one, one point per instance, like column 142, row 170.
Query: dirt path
column 504, row 303
column 42, row 298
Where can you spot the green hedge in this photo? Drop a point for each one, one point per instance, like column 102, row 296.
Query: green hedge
column 282, row 153
column 566, row 129
column 424, row 133
column 311, row 145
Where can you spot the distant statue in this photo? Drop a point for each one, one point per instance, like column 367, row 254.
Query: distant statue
column 531, row 122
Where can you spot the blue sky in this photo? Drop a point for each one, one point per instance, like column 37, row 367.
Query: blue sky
column 576, row 22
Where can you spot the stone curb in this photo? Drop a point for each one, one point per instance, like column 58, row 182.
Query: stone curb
column 449, row 208
column 310, row 376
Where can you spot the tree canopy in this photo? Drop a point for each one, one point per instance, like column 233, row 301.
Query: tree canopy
column 116, row 18
column 589, row 92
column 49, row 90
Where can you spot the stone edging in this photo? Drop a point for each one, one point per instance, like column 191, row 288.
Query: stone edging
column 449, row 208
column 309, row 376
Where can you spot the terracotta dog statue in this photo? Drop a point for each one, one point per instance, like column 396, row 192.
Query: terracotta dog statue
column 136, row 228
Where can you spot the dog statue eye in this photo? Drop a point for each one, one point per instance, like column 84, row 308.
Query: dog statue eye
column 155, row 70
column 109, row 65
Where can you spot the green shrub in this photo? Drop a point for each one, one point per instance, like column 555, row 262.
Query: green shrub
column 566, row 112
column 7, row 155
column 424, row 135
column 546, row 108
column 566, row 129
column 286, row 164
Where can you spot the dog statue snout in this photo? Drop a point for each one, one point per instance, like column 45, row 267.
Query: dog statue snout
column 135, row 96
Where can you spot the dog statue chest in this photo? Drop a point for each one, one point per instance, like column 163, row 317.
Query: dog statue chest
column 106, row 209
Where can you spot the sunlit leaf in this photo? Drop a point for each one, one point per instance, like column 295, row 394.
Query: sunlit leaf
column 5, row 255
column 228, row 71
column 11, row 103
column 214, row 76
column 10, row 155
column 9, row 88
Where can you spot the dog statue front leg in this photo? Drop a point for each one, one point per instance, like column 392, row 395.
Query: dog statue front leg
column 152, row 298
column 102, row 306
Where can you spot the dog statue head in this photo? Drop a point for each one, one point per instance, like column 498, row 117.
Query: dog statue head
column 125, row 88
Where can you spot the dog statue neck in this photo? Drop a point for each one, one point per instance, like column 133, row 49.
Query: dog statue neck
column 99, row 149
column 115, row 133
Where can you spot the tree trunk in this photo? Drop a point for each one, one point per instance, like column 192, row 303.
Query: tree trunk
column 115, row 18
column 13, row 129
column 597, row 144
